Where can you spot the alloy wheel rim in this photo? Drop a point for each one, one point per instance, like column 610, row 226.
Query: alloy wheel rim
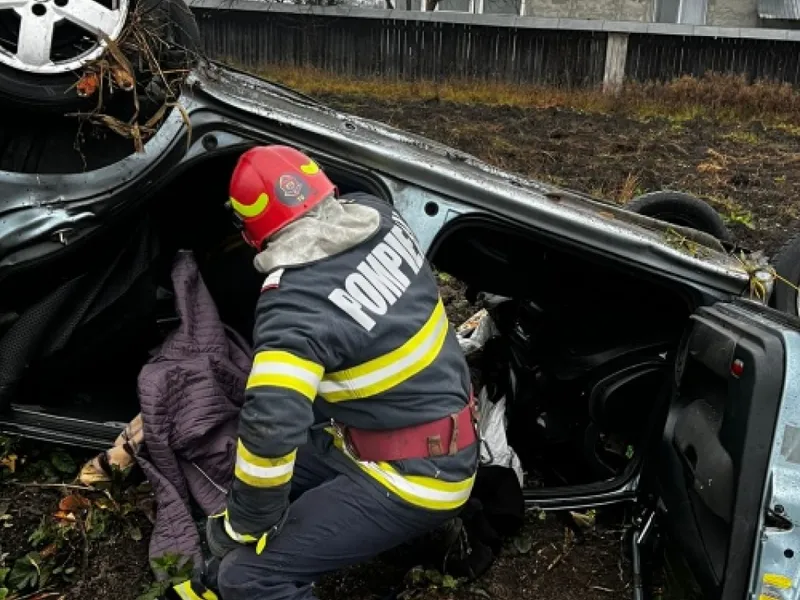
column 39, row 20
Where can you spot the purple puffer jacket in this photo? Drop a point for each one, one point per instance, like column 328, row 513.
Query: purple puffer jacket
column 190, row 394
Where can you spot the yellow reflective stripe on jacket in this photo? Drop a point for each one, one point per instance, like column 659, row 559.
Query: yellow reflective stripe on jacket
column 385, row 372
column 263, row 472
column 425, row 492
column 283, row 369
column 185, row 592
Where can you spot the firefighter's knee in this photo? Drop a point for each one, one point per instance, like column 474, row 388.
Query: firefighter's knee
column 238, row 576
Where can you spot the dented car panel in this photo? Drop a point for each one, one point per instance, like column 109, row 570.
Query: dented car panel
column 429, row 182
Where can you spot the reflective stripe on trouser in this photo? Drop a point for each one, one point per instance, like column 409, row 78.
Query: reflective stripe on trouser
column 342, row 520
column 187, row 591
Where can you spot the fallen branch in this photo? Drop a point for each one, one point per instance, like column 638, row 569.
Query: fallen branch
column 558, row 559
column 39, row 595
column 65, row 486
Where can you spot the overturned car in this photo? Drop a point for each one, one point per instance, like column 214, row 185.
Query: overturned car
column 640, row 361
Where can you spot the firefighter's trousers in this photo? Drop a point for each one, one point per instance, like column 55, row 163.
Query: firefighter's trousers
column 337, row 518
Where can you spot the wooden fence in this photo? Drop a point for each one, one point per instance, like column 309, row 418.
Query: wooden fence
column 437, row 46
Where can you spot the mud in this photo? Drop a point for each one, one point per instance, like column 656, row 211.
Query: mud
column 545, row 561
column 750, row 174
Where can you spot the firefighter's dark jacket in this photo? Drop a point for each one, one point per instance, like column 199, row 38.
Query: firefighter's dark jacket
column 362, row 338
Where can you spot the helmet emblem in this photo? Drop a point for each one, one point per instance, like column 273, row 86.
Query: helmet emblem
column 292, row 190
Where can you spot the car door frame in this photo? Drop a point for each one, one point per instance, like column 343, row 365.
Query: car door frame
column 692, row 513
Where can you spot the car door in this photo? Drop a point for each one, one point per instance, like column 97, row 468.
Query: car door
column 737, row 375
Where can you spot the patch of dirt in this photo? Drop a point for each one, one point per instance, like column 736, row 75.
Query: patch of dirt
column 750, row 174
column 545, row 561
column 453, row 293
column 64, row 539
column 25, row 508
column 116, row 567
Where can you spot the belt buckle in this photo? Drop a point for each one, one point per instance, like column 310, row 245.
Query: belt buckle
column 341, row 432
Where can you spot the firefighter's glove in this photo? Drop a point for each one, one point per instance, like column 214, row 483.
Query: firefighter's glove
column 222, row 538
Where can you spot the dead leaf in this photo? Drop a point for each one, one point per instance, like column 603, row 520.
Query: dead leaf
column 584, row 521
column 123, row 78
column 73, row 503
column 48, row 551
column 64, row 516
column 118, row 54
column 9, row 462
column 88, row 84
column 709, row 167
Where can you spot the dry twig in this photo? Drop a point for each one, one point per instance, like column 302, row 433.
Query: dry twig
column 139, row 44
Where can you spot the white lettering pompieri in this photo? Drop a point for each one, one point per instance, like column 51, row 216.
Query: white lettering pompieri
column 364, row 292
column 409, row 239
column 397, row 240
column 378, row 281
column 378, row 276
column 346, row 302
column 392, row 262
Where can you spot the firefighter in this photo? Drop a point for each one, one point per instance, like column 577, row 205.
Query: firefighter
column 358, row 430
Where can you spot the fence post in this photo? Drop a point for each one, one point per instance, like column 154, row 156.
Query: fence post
column 616, row 55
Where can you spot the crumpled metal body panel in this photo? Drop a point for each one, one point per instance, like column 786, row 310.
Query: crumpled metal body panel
column 41, row 214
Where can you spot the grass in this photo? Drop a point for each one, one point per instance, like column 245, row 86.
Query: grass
column 629, row 189
column 743, row 137
column 728, row 98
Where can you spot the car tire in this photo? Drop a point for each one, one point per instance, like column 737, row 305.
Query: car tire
column 787, row 264
column 681, row 209
column 57, row 93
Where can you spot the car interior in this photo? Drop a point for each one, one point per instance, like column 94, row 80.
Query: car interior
column 580, row 359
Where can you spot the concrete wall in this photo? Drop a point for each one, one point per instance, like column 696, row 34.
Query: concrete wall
column 733, row 13
column 618, row 10
column 457, row 45
column 722, row 13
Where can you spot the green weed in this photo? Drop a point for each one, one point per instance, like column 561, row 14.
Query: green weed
column 170, row 569
column 4, row 591
column 419, row 581
column 742, row 137
column 743, row 218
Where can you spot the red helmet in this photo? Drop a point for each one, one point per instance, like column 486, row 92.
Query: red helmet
column 272, row 186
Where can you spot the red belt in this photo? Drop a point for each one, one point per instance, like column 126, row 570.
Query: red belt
column 442, row 437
